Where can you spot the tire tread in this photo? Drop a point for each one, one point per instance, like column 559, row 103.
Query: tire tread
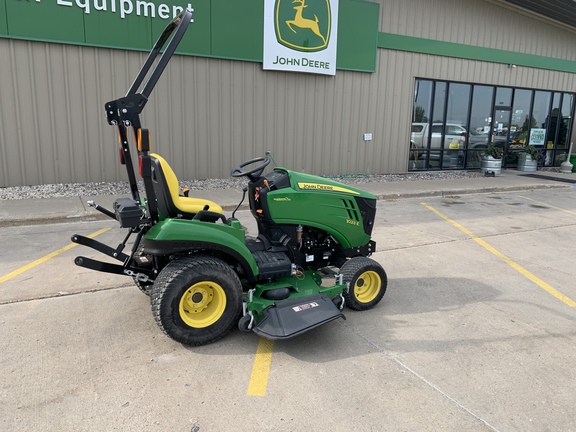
column 351, row 269
column 176, row 273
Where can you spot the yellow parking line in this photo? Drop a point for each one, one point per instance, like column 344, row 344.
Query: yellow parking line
column 261, row 368
column 511, row 263
column 549, row 205
column 45, row 258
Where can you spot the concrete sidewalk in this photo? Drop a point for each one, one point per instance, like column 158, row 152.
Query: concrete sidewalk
column 58, row 210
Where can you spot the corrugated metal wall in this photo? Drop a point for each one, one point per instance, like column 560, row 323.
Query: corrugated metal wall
column 207, row 115
column 51, row 113
column 491, row 24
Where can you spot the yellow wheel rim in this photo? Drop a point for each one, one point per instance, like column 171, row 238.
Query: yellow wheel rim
column 367, row 286
column 202, row 304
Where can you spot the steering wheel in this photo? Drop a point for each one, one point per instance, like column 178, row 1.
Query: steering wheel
column 255, row 172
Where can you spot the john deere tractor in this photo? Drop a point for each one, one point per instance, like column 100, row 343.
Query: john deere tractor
column 203, row 273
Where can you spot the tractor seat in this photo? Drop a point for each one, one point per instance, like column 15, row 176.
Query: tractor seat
column 170, row 202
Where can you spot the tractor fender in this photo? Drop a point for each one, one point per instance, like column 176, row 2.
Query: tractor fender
column 172, row 236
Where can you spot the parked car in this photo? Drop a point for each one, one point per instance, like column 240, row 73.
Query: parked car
column 454, row 132
column 455, row 137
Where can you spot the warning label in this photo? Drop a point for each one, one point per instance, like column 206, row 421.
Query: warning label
column 305, row 306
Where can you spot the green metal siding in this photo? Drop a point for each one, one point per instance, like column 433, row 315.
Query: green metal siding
column 449, row 49
column 3, row 19
column 356, row 39
column 30, row 19
column 237, row 29
column 221, row 28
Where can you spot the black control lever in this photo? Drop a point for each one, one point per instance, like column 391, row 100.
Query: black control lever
column 244, row 190
column 101, row 209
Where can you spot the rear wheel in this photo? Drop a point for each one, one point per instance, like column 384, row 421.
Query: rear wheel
column 196, row 300
column 367, row 281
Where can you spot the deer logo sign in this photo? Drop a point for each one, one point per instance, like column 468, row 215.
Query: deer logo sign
column 303, row 25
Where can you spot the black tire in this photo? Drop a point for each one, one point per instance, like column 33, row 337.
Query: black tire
column 196, row 300
column 244, row 323
column 367, row 280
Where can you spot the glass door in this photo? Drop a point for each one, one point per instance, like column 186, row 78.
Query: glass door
column 500, row 130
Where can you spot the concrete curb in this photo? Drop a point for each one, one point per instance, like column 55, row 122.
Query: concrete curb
column 73, row 209
column 451, row 192
column 89, row 215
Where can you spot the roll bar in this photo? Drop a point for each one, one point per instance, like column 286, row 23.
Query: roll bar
column 125, row 111
column 128, row 108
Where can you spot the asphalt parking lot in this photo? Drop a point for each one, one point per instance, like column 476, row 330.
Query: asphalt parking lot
column 475, row 333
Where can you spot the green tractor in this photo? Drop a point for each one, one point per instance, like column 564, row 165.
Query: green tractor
column 203, row 274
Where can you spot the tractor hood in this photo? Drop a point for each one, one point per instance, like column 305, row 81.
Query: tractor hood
column 309, row 182
column 288, row 197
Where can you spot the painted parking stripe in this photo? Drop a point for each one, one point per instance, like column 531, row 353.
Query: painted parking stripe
column 261, row 368
column 551, row 290
column 46, row 258
column 549, row 205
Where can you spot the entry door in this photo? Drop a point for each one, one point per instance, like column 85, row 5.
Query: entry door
column 500, row 130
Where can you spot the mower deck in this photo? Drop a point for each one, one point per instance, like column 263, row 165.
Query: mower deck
column 291, row 317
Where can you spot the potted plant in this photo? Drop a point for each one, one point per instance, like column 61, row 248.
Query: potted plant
column 493, row 151
column 491, row 160
column 528, row 158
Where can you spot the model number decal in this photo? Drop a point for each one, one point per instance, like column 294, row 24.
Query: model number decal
column 351, row 222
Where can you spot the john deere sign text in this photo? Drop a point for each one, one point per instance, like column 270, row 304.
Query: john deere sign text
column 300, row 35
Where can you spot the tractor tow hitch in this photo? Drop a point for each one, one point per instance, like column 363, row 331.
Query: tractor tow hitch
column 105, row 267
column 101, row 247
column 127, row 268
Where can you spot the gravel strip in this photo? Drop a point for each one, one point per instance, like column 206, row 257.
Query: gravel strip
column 122, row 188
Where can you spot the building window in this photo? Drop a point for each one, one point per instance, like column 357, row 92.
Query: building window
column 480, row 120
column 452, row 123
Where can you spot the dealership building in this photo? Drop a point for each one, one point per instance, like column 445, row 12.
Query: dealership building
column 328, row 86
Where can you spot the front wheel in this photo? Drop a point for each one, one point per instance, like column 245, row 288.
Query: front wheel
column 196, row 300
column 367, row 283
